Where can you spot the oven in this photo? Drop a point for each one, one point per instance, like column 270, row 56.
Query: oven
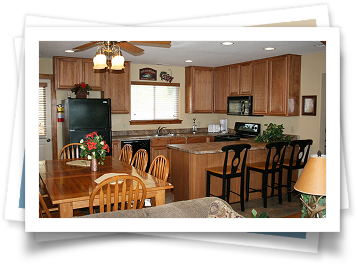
column 242, row 130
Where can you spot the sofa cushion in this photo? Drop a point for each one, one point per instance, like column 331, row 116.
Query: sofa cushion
column 220, row 209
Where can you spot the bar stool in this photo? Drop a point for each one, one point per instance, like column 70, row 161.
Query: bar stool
column 296, row 161
column 270, row 166
column 236, row 168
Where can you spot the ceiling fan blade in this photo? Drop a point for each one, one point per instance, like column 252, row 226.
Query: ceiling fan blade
column 86, row 46
column 130, row 47
column 158, row 44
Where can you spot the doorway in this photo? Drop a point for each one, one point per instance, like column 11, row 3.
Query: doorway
column 45, row 130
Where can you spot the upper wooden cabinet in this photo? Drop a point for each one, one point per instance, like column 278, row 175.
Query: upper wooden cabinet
column 115, row 84
column 260, row 89
column 198, row 89
column 240, row 79
column 221, row 89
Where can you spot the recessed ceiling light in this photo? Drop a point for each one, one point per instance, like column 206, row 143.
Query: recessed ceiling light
column 188, row 61
column 68, row 51
column 227, row 43
column 269, row 48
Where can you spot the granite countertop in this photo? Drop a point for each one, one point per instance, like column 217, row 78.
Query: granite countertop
column 152, row 136
column 214, row 147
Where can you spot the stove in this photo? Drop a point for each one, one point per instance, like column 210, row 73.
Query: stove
column 243, row 130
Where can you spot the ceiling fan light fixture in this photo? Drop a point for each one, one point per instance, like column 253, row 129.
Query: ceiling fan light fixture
column 269, row 49
column 227, row 43
column 188, row 61
column 100, row 61
column 117, row 62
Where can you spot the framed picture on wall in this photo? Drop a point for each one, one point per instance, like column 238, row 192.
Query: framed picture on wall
column 309, row 105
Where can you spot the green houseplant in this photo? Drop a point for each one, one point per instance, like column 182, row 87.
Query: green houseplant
column 273, row 133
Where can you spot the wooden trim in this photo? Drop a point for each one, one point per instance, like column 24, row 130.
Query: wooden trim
column 154, row 84
column 155, row 122
column 53, row 114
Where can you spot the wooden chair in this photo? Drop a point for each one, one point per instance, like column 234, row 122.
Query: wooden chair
column 70, row 151
column 140, row 159
column 126, row 153
column 160, row 167
column 297, row 160
column 230, row 169
column 272, row 165
column 129, row 189
column 45, row 212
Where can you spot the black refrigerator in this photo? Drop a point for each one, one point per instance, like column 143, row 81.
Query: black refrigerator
column 83, row 116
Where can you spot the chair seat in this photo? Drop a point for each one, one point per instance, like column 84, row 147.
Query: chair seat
column 260, row 165
column 219, row 170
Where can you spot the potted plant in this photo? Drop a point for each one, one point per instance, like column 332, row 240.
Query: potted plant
column 81, row 90
column 273, row 133
column 94, row 148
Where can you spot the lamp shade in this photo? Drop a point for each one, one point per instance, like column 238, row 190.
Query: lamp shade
column 313, row 178
column 117, row 62
column 100, row 61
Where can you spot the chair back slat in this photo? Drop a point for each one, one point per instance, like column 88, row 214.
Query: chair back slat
column 236, row 163
column 160, row 167
column 140, row 159
column 70, row 151
column 278, row 156
column 126, row 153
column 299, row 159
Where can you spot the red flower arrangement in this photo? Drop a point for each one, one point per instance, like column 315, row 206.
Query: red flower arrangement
column 94, row 147
column 82, row 87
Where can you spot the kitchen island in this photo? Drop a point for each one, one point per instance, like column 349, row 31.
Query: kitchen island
column 189, row 163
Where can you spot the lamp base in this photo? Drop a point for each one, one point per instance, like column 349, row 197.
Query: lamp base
column 314, row 208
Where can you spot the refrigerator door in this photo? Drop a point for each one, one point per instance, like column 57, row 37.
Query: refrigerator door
column 89, row 113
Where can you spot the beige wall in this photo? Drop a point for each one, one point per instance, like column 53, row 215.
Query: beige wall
column 313, row 67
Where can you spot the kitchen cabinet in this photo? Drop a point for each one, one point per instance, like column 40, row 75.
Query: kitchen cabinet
column 158, row 147
column 115, row 84
column 260, row 87
column 240, row 79
column 116, row 148
column 200, row 139
column 221, row 89
column 198, row 89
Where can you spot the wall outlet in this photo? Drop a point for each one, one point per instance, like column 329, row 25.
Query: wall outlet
column 125, row 125
column 292, row 129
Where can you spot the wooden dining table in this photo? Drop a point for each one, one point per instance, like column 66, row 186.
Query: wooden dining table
column 70, row 186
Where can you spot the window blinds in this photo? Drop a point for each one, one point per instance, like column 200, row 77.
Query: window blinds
column 154, row 102
column 42, row 109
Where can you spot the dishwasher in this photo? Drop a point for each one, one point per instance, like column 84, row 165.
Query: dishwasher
column 139, row 144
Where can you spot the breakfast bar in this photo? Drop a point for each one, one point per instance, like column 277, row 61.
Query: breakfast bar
column 189, row 163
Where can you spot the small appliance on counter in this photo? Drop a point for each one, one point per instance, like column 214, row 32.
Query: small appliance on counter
column 243, row 130
column 224, row 125
column 214, row 128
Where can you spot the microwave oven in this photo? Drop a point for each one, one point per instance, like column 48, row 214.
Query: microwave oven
column 240, row 105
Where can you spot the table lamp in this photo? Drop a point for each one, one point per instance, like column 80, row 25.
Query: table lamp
column 312, row 181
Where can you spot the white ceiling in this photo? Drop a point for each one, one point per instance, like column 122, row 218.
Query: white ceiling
column 203, row 53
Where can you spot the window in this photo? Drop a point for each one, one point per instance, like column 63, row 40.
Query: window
column 154, row 103
column 42, row 109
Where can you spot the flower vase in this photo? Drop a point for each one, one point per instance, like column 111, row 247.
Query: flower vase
column 94, row 165
column 81, row 94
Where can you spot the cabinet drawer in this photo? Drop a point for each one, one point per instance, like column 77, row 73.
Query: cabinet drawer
column 159, row 142
column 191, row 140
column 181, row 140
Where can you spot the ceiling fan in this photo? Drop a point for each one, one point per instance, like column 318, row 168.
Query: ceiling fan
column 125, row 45
column 110, row 51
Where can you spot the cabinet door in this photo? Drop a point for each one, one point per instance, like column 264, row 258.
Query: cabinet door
column 116, row 148
column 221, row 88
column 118, row 89
column 260, row 87
column 278, row 76
column 180, row 140
column 245, row 79
column 95, row 78
column 234, row 71
column 67, row 72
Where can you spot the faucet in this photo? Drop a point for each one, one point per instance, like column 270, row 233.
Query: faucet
column 159, row 129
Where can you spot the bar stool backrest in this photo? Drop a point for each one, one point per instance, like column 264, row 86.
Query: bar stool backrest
column 236, row 160
column 278, row 156
column 299, row 159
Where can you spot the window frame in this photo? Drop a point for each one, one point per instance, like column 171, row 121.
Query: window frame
column 148, row 122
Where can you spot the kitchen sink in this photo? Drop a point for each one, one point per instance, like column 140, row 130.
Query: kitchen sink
column 167, row 135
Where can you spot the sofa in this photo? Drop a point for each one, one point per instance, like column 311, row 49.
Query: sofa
column 207, row 207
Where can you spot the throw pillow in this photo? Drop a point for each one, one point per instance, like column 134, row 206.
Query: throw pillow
column 219, row 209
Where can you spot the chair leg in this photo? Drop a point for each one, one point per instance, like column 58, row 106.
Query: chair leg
column 208, row 186
column 224, row 188
column 228, row 191
column 265, row 189
column 280, row 183
column 290, row 172
column 242, row 193
column 247, row 184
column 272, row 183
